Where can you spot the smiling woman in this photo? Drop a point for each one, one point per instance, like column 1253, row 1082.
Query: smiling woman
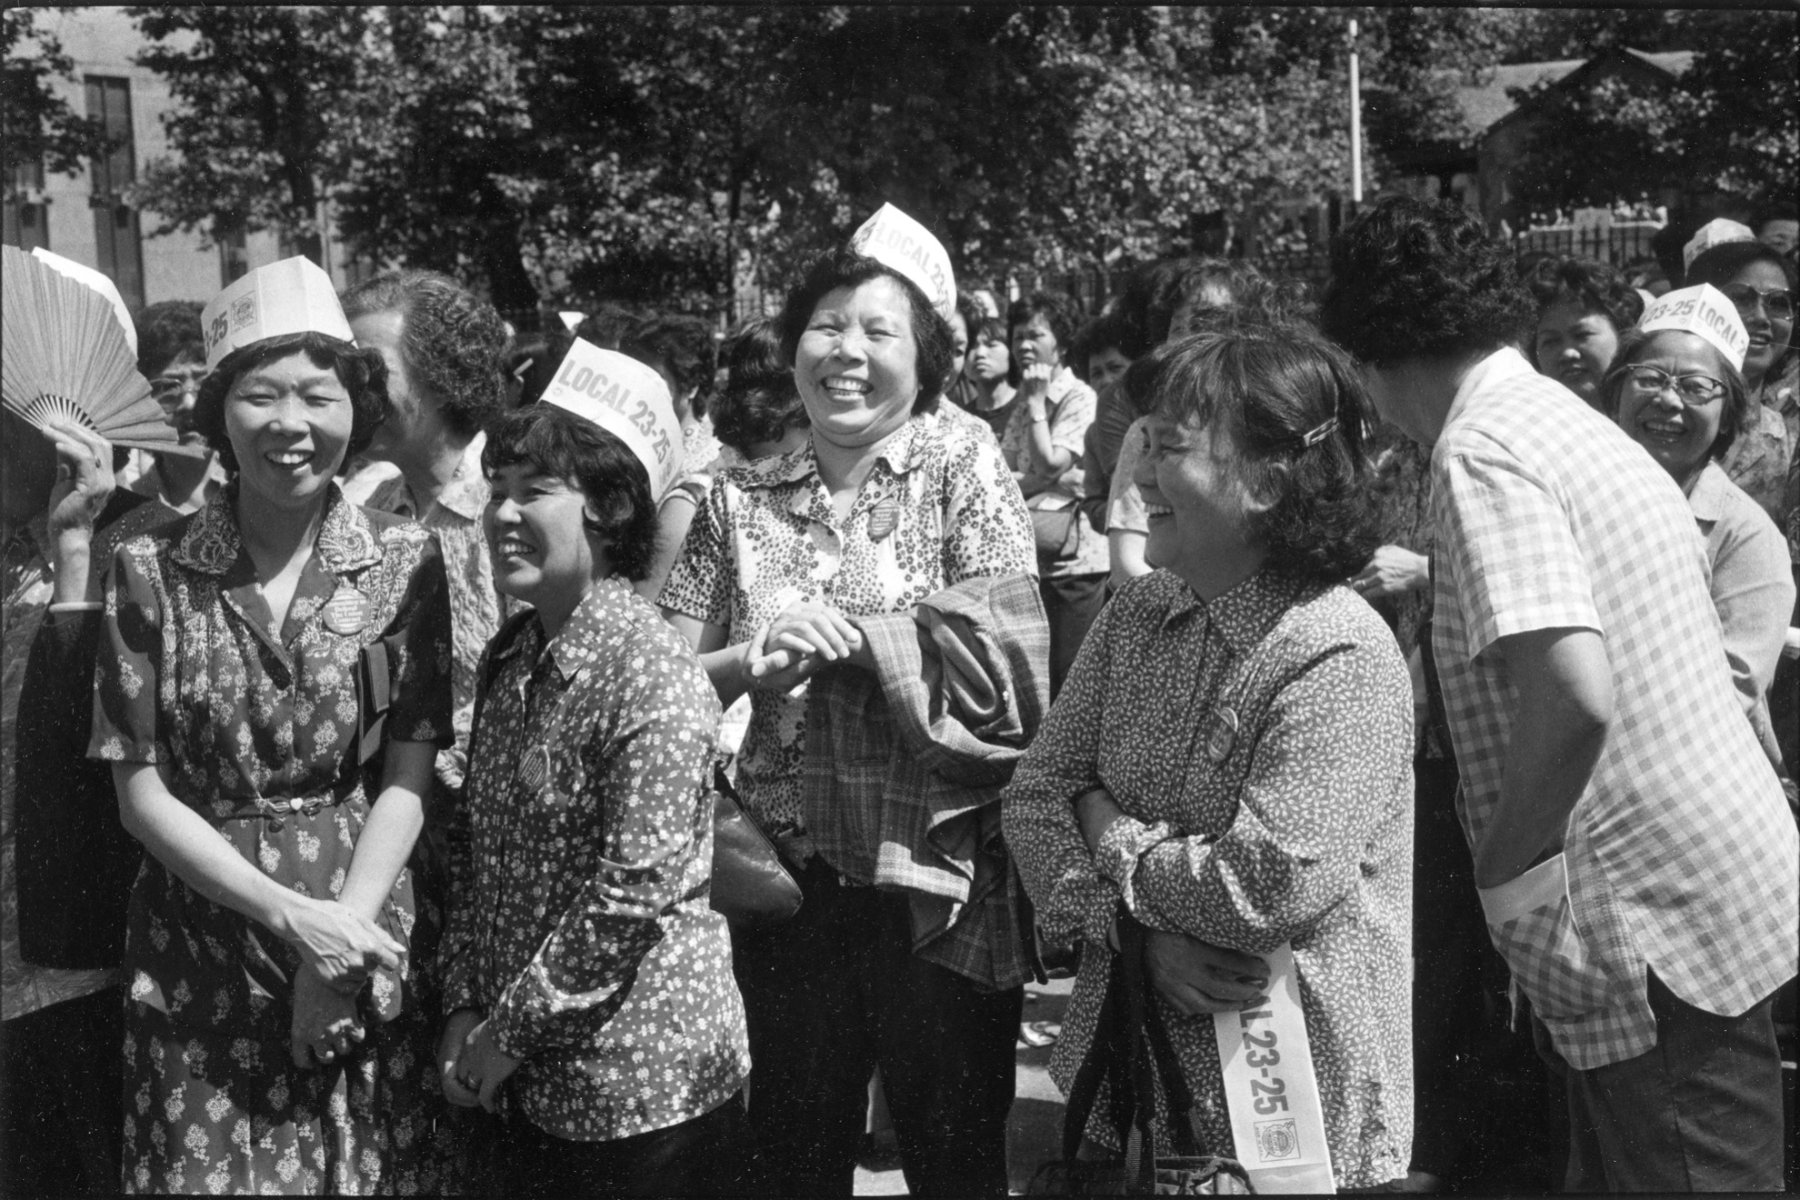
column 274, row 687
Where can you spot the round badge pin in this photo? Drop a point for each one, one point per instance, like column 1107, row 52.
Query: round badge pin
column 883, row 519
column 535, row 768
column 1222, row 736
column 347, row 611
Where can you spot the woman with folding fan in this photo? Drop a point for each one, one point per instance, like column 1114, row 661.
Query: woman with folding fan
column 272, row 692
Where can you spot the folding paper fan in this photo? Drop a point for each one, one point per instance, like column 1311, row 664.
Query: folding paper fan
column 63, row 354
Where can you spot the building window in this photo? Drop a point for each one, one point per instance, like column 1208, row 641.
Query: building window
column 118, row 240
column 27, row 224
column 234, row 253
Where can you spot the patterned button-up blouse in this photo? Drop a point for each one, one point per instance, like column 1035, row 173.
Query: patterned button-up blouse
column 939, row 507
column 262, row 731
column 1297, row 827
column 580, row 924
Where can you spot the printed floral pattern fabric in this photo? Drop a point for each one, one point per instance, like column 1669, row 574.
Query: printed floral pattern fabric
column 580, row 923
column 258, row 731
column 1261, row 747
column 939, row 507
column 1758, row 460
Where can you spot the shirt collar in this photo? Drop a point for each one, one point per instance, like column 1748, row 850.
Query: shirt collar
column 467, row 492
column 346, row 541
column 1503, row 364
column 1710, row 494
column 571, row 650
column 1244, row 615
column 901, row 452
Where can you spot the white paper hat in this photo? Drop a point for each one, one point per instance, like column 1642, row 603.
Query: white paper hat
column 1705, row 312
column 99, row 283
column 893, row 239
column 1715, row 232
column 291, row 296
column 627, row 399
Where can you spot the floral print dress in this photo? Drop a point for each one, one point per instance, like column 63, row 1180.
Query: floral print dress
column 275, row 738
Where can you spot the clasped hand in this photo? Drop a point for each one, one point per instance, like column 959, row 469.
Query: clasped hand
column 1198, row 977
column 472, row 1065
column 325, row 1027
column 342, row 946
column 797, row 642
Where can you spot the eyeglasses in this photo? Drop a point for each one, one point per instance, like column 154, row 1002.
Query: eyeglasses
column 1779, row 304
column 170, row 390
column 1693, row 389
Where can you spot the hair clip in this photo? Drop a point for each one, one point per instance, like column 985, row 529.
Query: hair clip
column 1318, row 433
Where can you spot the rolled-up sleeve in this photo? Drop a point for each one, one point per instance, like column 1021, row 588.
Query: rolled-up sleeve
column 1330, row 755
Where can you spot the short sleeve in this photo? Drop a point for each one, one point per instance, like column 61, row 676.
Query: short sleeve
column 700, row 583
column 1069, row 424
column 1125, row 503
column 128, row 666
column 1509, row 550
column 419, row 645
column 987, row 530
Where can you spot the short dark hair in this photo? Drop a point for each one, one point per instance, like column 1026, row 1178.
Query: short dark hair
column 452, row 342
column 1145, row 304
column 560, row 444
column 683, row 345
column 759, row 402
column 1592, row 286
column 1739, row 408
column 1096, row 334
column 1417, row 280
column 970, row 310
column 847, row 269
column 1718, row 264
column 1274, row 386
column 1061, row 313
column 165, row 332
column 361, row 370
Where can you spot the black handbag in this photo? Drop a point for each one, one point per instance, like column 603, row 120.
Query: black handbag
column 1132, row 1051
column 751, row 887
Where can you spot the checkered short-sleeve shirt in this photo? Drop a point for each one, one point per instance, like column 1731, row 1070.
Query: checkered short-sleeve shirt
column 1681, row 856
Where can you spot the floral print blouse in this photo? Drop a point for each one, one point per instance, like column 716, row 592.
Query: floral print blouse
column 939, row 507
column 272, row 735
column 1261, row 748
column 580, row 922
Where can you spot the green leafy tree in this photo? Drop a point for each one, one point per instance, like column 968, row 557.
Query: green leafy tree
column 39, row 125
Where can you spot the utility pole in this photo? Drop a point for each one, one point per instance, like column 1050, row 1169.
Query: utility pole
column 1356, row 191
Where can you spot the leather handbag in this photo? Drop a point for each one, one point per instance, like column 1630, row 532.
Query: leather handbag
column 1132, row 1052
column 751, row 887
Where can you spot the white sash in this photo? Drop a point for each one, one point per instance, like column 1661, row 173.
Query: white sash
column 1270, row 1089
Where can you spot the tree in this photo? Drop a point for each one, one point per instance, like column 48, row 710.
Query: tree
column 40, row 127
column 261, row 92
column 1728, row 123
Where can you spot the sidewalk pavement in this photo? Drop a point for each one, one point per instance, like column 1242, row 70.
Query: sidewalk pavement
column 1034, row 1128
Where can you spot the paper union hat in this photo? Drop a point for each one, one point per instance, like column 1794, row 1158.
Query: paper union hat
column 99, row 283
column 893, row 239
column 1715, row 232
column 290, row 296
column 1705, row 312
column 627, row 399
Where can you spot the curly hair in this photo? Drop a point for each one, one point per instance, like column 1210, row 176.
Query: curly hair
column 684, row 347
column 845, row 268
column 1739, row 409
column 562, row 445
column 1295, row 407
column 1593, row 287
column 452, row 342
column 166, row 332
column 362, row 371
column 1417, row 280
column 759, row 402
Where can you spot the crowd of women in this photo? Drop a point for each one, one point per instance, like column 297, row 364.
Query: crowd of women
column 361, row 771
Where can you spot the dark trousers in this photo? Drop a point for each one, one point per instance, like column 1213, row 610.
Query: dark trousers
column 837, row 991
column 707, row 1156
column 60, row 1072
column 1698, row 1112
column 1071, row 602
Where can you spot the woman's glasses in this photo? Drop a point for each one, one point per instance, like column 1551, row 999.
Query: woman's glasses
column 171, row 391
column 1777, row 303
column 1693, row 389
